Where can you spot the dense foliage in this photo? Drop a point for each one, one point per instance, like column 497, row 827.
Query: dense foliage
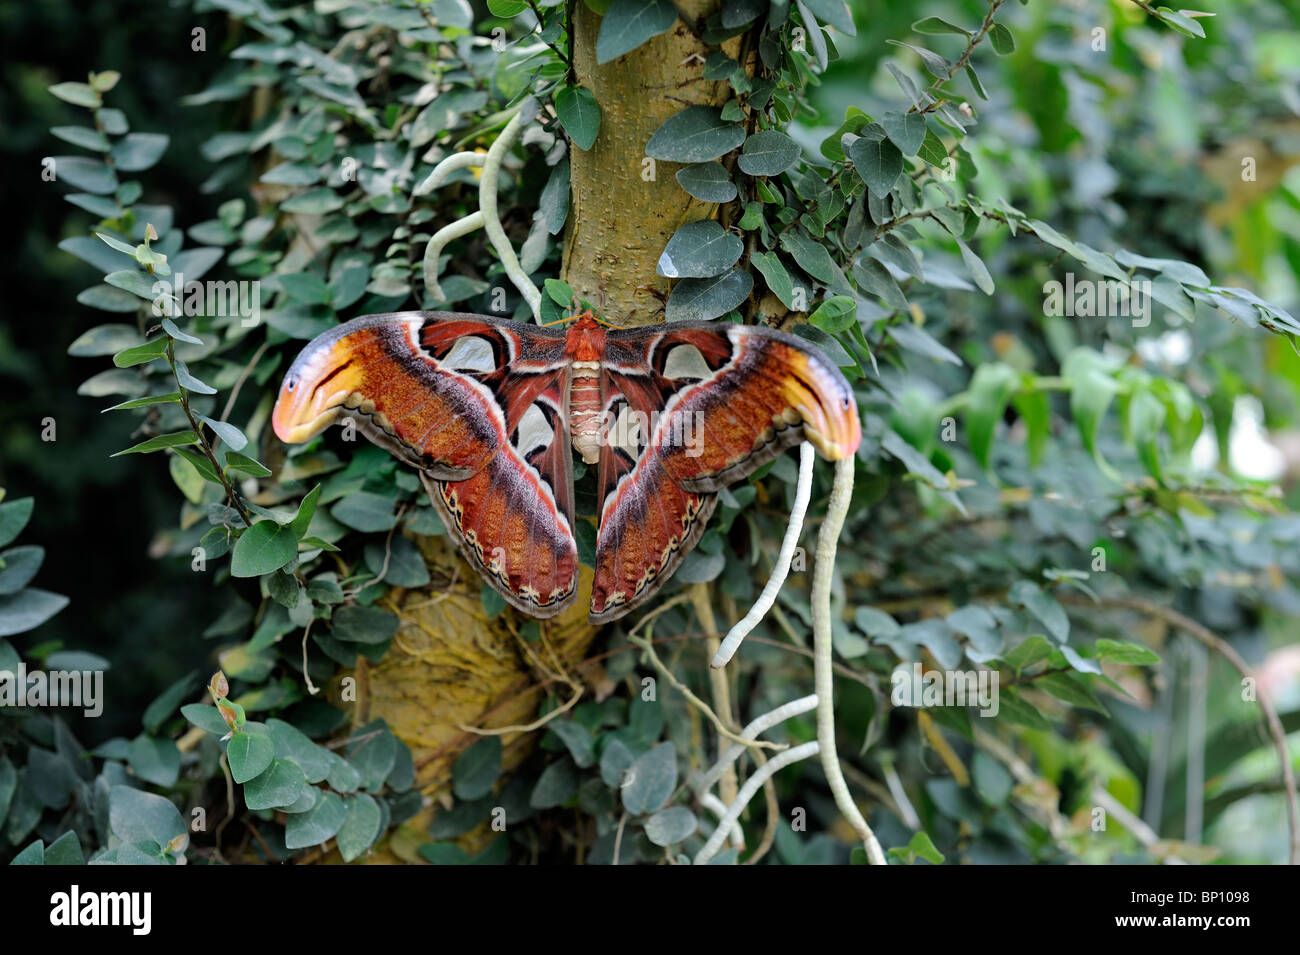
column 1038, row 491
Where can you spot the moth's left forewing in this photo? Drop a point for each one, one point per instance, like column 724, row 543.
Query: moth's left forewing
column 741, row 395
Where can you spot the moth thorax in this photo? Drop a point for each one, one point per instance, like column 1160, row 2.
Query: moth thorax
column 585, row 413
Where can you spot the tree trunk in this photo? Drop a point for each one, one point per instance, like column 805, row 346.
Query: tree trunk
column 449, row 665
column 624, row 209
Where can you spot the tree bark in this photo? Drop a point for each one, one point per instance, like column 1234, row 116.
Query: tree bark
column 622, row 210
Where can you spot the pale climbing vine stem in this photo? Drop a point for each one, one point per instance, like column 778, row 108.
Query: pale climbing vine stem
column 823, row 663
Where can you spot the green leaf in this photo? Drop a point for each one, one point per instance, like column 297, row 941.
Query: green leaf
column 165, row 705
column 172, row 397
column 281, row 784
column 878, row 162
column 249, row 753
column 360, row 828
column 292, row 744
column 907, row 131
column 1117, row 651
column 775, row 275
column 317, row 824
column 205, row 717
column 812, row 257
column 506, row 9
column 672, row 825
column 1091, row 389
column 78, row 94
column 306, row 511
column 201, row 464
column 1028, row 652
column 936, row 26
column 553, row 204
column 138, row 816
column 704, row 299
column 156, row 761
column 477, row 769
column 833, row 13
column 768, row 153
column 1071, row 688
column 1036, row 412
column 14, row 516
column 1184, row 24
column 65, row 850
column 874, row 278
column 88, row 175
column 313, row 202
column 557, row 784
column 991, row 779
column 560, row 292
column 305, row 287
column 139, row 151
column 991, row 388
column 368, row 625
column 1003, row 42
column 82, row 136
column 18, row 566
column 919, row 846
column 34, row 854
column 932, row 150
column 134, row 281
column 364, row 511
column 108, row 299
column 579, row 113
column 139, row 354
column 1043, row 606
column 264, row 547
column 707, row 181
column 975, row 265
column 1146, row 422
column 158, row 442
column 835, row 314
column 697, row 134
column 629, row 23
column 245, row 465
column 651, row 780
column 698, row 250
column 577, row 739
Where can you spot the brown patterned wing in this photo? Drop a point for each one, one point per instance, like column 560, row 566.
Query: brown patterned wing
column 690, row 409
column 479, row 406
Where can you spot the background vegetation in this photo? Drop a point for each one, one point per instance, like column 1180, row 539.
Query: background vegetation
column 1097, row 510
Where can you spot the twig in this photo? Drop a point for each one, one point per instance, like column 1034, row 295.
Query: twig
column 773, row 813
column 435, row 179
column 823, row 671
column 756, row 726
column 527, row 728
column 487, row 201
column 738, row 740
column 439, row 240
column 731, row 643
column 716, row 806
column 719, row 687
column 312, row 688
column 746, row 793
